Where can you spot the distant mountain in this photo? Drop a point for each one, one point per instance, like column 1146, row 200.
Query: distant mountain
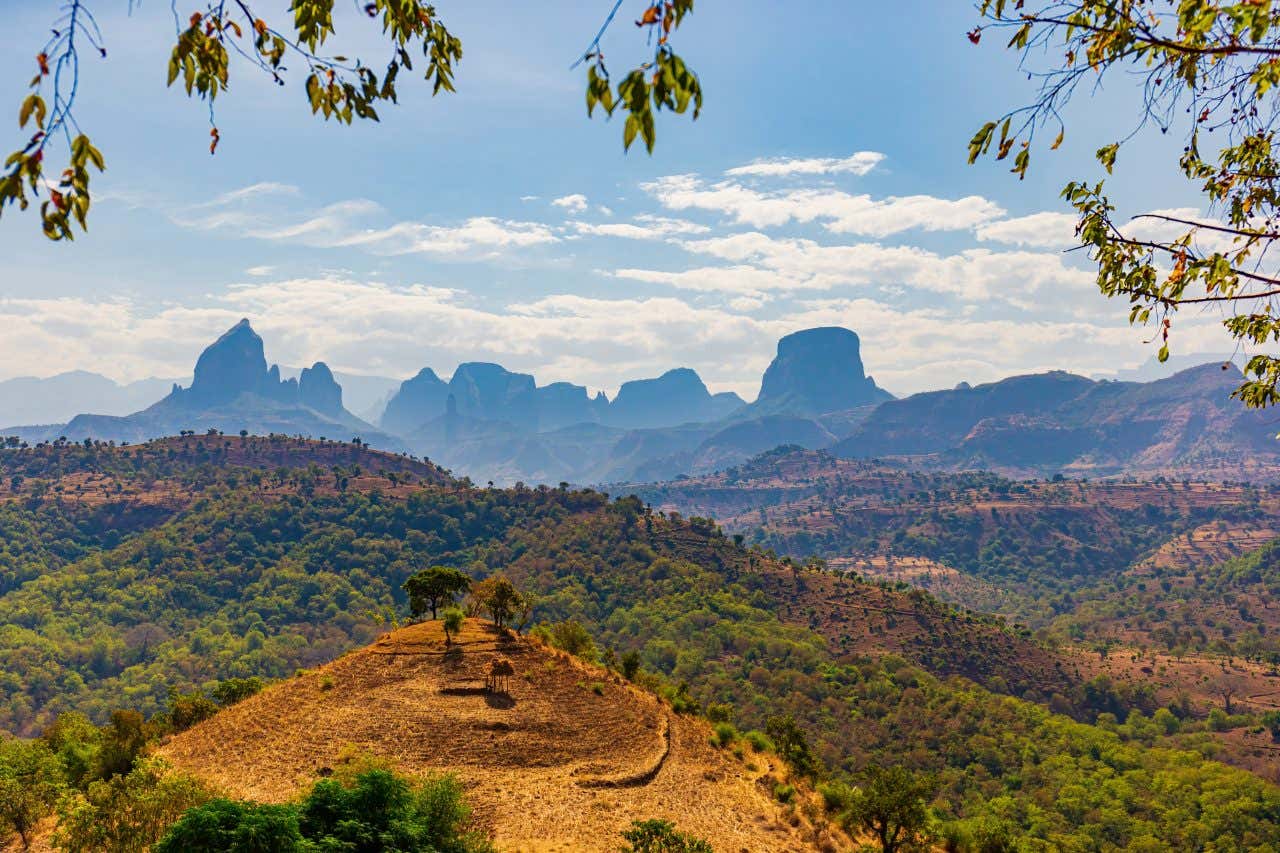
column 817, row 371
column 491, row 392
column 234, row 390
column 56, row 399
column 676, row 397
column 490, row 423
column 366, row 396
column 1050, row 423
column 1153, row 369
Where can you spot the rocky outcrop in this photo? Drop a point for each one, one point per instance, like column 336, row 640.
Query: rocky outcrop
column 817, row 371
column 418, row 401
column 676, row 397
column 318, row 389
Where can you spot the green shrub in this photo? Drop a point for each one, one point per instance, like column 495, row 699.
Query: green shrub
column 721, row 712
column 377, row 810
column 660, row 836
column 233, row 690
column 128, row 813
column 725, row 734
column 836, row 796
column 783, row 792
column 187, row 709
column 569, row 636
column 630, row 665
column 759, row 741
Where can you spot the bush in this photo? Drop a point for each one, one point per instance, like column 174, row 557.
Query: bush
column 76, row 742
column 377, row 810
column 725, row 734
column 630, row 665
column 784, row 793
column 233, row 690
column 660, row 836
column 721, row 712
column 225, row 825
column 836, row 796
column 187, row 709
column 122, row 740
column 759, row 741
column 127, row 813
column 569, row 636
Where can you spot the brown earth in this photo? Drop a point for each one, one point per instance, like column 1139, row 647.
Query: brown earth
column 565, row 760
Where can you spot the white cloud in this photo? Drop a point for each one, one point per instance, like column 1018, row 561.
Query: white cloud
column 575, row 203
column 644, row 227
column 838, row 211
column 260, row 271
column 857, row 164
column 256, row 212
column 762, row 264
column 1048, row 230
column 480, row 234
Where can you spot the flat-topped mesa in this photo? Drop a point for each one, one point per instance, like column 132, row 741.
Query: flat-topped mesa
column 816, row 371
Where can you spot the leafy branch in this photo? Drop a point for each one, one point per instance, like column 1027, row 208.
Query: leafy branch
column 1204, row 68
column 665, row 82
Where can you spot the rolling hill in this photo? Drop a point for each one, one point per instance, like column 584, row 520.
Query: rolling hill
column 1023, row 548
column 565, row 759
column 231, row 571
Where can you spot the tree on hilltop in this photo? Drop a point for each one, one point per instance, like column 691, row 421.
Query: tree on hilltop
column 498, row 597
column 435, row 587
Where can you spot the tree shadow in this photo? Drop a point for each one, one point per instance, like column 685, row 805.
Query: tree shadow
column 501, row 701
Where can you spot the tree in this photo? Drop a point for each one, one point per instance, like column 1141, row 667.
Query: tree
column 122, row 741
column 892, row 805
column 221, row 824
column 453, row 618
column 1203, row 67
column 660, row 836
column 31, row 781
column 792, row 745
column 336, row 87
column 431, row 588
column 498, row 597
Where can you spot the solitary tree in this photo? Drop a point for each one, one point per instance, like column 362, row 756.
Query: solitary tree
column 211, row 35
column 1202, row 70
column 892, row 806
column 432, row 588
column 791, row 744
column 453, row 618
column 498, row 597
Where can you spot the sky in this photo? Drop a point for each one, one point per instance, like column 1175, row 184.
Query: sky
column 824, row 184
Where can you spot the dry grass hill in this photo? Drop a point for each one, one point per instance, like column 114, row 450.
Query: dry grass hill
column 564, row 760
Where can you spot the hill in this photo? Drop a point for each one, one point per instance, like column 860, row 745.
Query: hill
column 1058, row 423
column 204, row 535
column 257, row 574
column 566, row 759
column 1023, row 548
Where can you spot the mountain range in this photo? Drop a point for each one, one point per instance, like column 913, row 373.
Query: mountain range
column 492, row 424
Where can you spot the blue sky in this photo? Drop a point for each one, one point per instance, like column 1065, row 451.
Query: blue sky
column 824, row 184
